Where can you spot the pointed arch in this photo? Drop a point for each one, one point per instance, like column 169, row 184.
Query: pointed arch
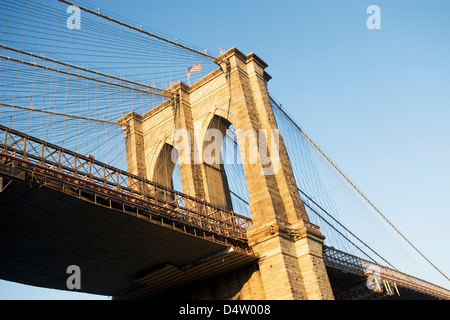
column 225, row 183
column 164, row 166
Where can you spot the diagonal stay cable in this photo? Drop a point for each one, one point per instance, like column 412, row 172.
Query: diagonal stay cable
column 82, row 76
column 357, row 190
column 84, row 69
column 144, row 32
column 342, row 226
column 335, row 229
column 56, row 113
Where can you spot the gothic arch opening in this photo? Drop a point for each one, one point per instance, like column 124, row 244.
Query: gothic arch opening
column 166, row 169
column 226, row 186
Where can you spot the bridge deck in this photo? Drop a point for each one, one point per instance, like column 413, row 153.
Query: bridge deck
column 58, row 208
column 43, row 231
column 350, row 264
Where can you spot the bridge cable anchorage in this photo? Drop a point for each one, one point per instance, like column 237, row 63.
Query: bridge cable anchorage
column 57, row 113
column 168, row 93
column 360, row 193
column 83, row 77
column 175, row 43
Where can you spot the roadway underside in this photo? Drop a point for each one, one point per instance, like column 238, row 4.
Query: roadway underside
column 43, row 231
column 349, row 286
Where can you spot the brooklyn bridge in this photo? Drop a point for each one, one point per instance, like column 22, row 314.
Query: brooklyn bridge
column 163, row 171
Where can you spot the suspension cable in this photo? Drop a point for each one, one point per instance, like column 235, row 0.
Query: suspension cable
column 56, row 113
column 145, row 32
column 85, row 77
column 365, row 198
column 84, row 69
column 340, row 224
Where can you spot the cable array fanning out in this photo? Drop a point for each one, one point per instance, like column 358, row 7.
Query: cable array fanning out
column 84, row 78
column 348, row 219
column 69, row 85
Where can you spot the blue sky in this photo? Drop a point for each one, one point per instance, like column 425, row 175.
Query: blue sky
column 377, row 102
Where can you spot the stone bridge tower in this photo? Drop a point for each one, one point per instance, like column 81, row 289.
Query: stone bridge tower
column 289, row 246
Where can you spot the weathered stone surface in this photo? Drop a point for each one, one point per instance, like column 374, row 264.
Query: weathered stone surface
column 290, row 247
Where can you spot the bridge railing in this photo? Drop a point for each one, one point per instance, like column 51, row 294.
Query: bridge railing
column 35, row 152
column 356, row 265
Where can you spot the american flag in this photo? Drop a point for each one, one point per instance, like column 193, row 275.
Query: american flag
column 196, row 68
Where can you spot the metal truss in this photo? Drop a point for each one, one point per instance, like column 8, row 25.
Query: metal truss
column 94, row 181
column 66, row 170
column 387, row 279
